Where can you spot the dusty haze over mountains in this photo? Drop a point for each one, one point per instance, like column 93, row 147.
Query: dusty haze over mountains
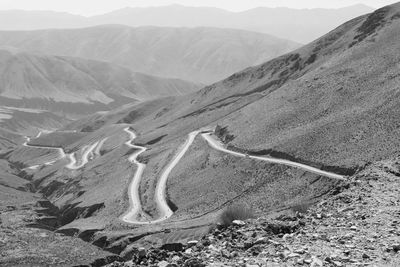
column 200, row 55
column 294, row 24
column 202, row 140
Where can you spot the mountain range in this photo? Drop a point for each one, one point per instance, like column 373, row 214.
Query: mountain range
column 74, row 85
column 299, row 25
column 200, row 55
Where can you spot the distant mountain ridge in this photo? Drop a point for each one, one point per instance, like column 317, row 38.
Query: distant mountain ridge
column 300, row 25
column 14, row 121
column 77, row 86
column 201, row 55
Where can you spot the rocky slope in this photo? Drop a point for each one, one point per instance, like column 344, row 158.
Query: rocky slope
column 333, row 101
column 202, row 55
column 337, row 99
column 25, row 243
column 355, row 225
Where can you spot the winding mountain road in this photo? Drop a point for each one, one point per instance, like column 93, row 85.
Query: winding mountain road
column 219, row 146
column 132, row 215
column 87, row 150
column 165, row 212
column 133, row 190
column 99, row 146
column 72, row 165
column 59, row 149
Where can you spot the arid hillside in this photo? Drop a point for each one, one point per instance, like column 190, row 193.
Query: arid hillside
column 333, row 101
column 77, row 86
column 26, row 121
column 339, row 101
column 9, row 139
column 201, row 55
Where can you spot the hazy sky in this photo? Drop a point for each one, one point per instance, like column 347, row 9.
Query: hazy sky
column 92, row 7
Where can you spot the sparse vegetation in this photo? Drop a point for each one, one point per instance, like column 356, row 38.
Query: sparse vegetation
column 311, row 59
column 235, row 212
column 301, row 207
column 372, row 24
column 93, row 126
column 295, row 57
column 395, row 16
column 223, row 134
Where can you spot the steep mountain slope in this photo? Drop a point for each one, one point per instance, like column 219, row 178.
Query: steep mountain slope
column 342, row 110
column 74, row 86
column 201, row 54
column 333, row 101
column 294, row 24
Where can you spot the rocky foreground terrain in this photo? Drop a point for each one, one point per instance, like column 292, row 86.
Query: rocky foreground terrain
column 355, row 225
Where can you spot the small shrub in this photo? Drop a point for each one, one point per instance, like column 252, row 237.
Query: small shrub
column 373, row 22
column 284, row 73
column 296, row 66
column 311, row 59
column 223, row 134
column 395, row 16
column 235, row 212
column 295, row 57
column 301, row 207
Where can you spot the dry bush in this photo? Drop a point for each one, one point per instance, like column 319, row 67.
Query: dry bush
column 301, row 207
column 235, row 212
